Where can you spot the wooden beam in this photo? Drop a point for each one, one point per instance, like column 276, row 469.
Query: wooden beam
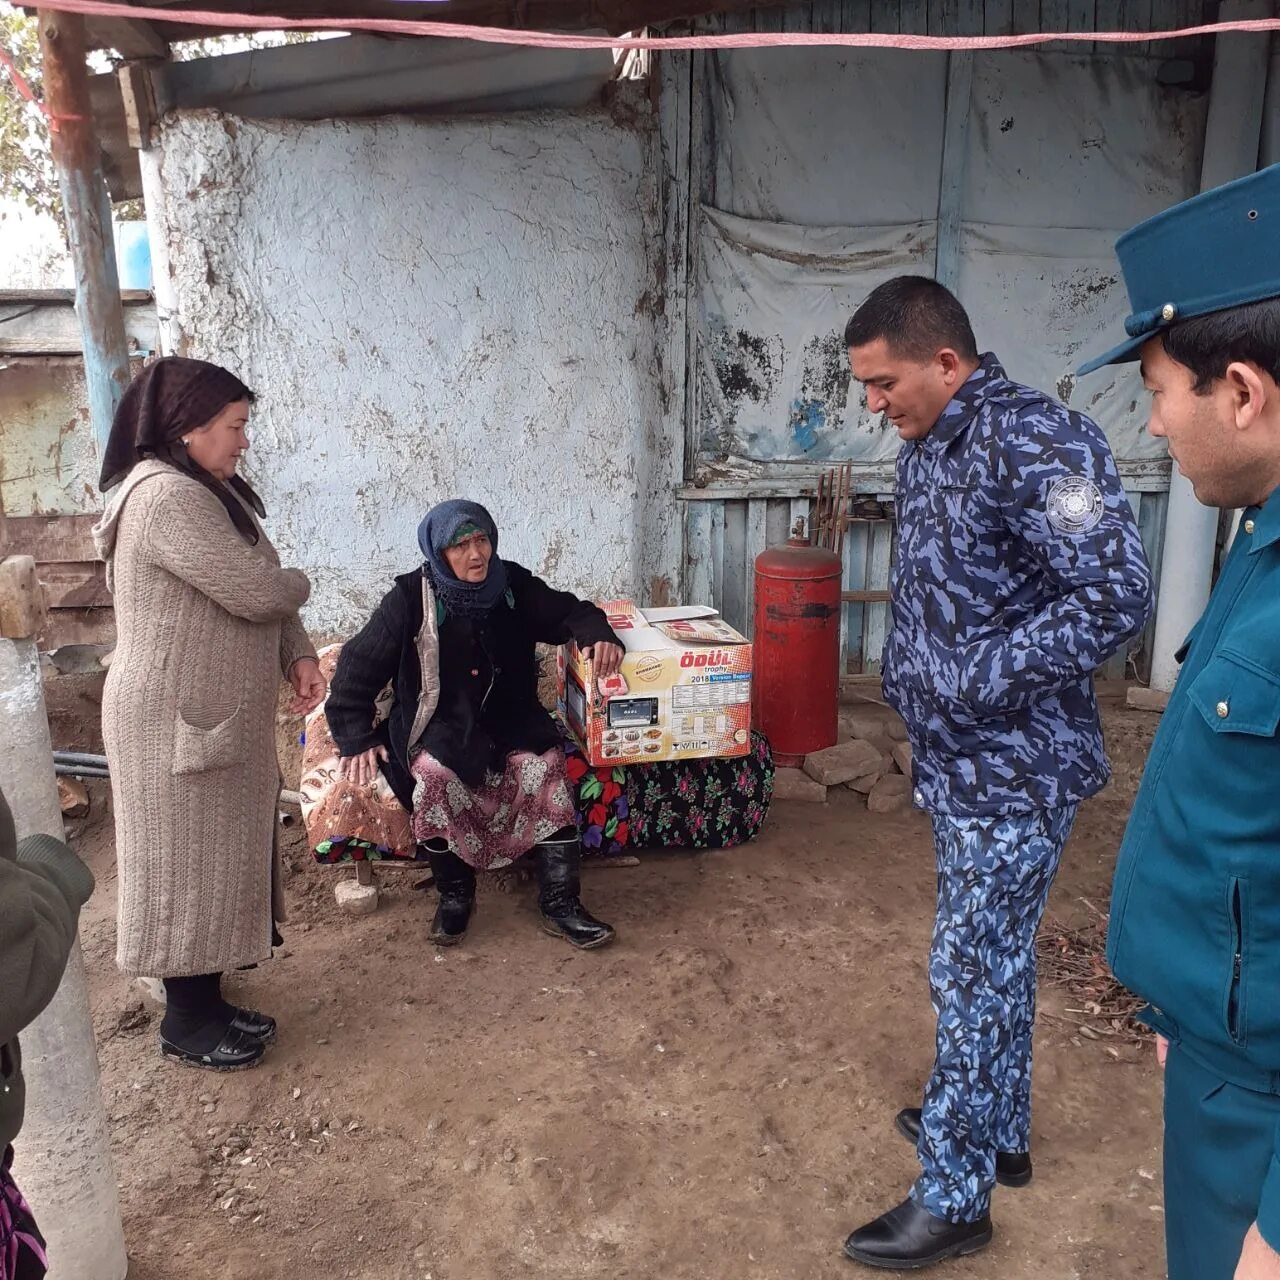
column 613, row 16
column 78, row 160
column 362, row 75
column 48, row 326
column 119, row 159
column 22, row 604
column 75, row 585
column 50, row 538
column 130, row 39
column 1147, row 475
column 52, row 297
column 139, row 104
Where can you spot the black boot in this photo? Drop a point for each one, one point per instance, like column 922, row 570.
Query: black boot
column 908, row 1238
column 456, row 883
column 559, row 864
column 1013, row 1168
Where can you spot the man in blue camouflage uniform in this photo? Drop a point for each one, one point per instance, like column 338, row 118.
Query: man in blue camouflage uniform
column 1019, row 572
column 1195, row 913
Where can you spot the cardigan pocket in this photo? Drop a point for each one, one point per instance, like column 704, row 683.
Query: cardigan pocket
column 197, row 750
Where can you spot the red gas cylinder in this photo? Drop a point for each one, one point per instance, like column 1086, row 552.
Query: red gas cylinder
column 796, row 658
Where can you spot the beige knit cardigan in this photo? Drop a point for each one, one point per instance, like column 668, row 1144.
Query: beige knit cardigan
column 206, row 625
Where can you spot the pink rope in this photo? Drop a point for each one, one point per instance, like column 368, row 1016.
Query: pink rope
column 24, row 88
column 560, row 40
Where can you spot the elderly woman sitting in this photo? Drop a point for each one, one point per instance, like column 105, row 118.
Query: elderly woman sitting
column 468, row 748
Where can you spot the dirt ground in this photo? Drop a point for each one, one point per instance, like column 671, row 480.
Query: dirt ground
column 712, row 1097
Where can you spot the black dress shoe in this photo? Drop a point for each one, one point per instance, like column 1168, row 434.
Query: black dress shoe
column 1013, row 1168
column 255, row 1024
column 236, row 1051
column 908, row 1238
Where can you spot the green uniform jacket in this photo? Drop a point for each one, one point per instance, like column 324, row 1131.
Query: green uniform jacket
column 1195, row 912
column 43, row 885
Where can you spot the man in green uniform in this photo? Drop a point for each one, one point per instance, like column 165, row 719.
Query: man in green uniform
column 43, row 885
column 1195, row 913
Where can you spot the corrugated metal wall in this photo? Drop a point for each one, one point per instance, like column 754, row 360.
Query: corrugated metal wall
column 723, row 536
column 982, row 17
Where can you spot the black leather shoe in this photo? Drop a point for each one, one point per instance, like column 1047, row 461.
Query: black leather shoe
column 236, row 1051
column 255, row 1024
column 456, row 882
column 1013, row 1168
column 563, row 914
column 908, row 1238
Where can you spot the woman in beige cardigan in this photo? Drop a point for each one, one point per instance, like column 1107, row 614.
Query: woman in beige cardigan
column 207, row 622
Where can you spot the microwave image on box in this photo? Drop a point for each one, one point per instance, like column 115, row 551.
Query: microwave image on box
column 632, row 713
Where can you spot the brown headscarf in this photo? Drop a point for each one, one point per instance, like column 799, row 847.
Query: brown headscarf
column 167, row 399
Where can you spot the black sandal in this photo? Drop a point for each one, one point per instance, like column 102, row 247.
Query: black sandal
column 255, row 1024
column 236, row 1051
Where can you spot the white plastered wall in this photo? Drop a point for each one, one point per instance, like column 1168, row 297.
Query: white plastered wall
column 429, row 310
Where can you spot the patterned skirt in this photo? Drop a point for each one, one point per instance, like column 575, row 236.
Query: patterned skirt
column 492, row 825
column 691, row 804
column 22, row 1255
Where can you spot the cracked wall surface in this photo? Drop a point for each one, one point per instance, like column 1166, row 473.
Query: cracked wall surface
column 429, row 310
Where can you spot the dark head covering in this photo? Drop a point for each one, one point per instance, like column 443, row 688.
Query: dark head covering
column 436, row 533
column 165, row 401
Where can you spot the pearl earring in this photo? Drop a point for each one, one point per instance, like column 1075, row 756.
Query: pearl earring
column 186, row 440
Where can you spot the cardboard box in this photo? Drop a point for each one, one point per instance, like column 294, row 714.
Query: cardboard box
column 685, row 691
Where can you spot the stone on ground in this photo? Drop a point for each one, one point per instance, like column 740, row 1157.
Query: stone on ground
column 842, row 763
column 902, row 757
column 1140, row 699
column 795, row 784
column 892, row 794
column 73, row 797
column 356, row 899
column 864, row 785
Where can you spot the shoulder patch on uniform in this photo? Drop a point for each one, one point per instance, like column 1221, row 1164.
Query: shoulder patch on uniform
column 1074, row 504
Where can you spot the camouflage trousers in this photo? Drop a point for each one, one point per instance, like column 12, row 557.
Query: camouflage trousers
column 994, row 876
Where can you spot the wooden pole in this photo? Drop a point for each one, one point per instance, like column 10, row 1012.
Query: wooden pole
column 63, row 1154
column 78, row 159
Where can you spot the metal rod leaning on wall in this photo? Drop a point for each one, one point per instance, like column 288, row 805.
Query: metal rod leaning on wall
column 84, row 764
column 64, row 1151
column 77, row 156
